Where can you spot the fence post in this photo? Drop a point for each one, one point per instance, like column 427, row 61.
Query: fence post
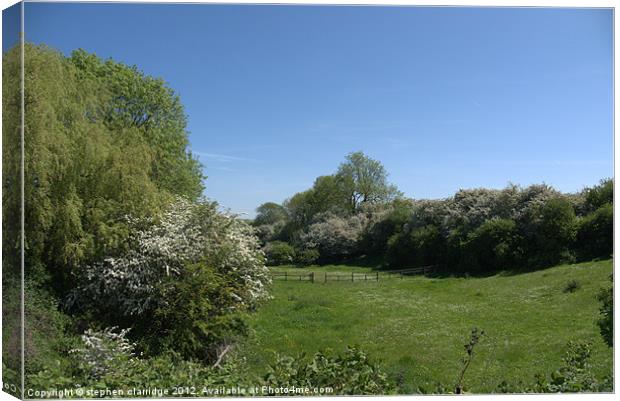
column 365, row 277
column 377, row 276
column 312, row 277
column 285, row 276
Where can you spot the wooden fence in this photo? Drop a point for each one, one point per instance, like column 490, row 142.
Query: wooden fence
column 351, row 277
column 286, row 276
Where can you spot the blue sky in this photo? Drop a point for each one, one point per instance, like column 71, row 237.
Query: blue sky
column 446, row 98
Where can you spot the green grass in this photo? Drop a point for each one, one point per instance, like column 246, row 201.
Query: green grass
column 417, row 326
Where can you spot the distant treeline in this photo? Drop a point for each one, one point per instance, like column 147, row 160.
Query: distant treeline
column 356, row 212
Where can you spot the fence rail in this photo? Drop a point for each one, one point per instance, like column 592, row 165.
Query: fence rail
column 286, row 276
column 351, row 277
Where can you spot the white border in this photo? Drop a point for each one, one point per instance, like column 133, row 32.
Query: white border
column 480, row 3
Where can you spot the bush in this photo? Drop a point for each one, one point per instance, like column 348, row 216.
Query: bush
column 600, row 194
column 200, row 317
column 168, row 371
column 606, row 322
column 384, row 225
column 335, row 237
column 575, row 375
column 46, row 336
column 307, row 256
column 279, row 253
column 101, row 351
column 595, row 234
column 420, row 247
column 549, row 232
column 192, row 250
column 571, row 286
column 492, row 246
column 351, row 373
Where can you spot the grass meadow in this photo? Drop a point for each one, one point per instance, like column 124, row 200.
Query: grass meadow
column 417, row 326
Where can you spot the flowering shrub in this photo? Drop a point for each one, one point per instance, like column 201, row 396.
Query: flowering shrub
column 102, row 351
column 130, row 284
column 335, row 236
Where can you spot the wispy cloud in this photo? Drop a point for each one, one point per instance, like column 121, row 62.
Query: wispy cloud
column 218, row 157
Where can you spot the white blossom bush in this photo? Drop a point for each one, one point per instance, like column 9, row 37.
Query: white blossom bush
column 335, row 236
column 186, row 233
column 101, row 351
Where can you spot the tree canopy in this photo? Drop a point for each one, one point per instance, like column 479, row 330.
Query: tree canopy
column 103, row 141
column 365, row 181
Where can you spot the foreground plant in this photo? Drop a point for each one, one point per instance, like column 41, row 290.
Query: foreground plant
column 350, row 373
column 575, row 375
column 476, row 335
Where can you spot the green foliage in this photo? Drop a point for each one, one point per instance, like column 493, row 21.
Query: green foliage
column 349, row 373
column 199, row 315
column 600, row 194
column 167, row 372
column 549, row 234
column 148, row 105
column 475, row 231
column 419, row 247
column 606, row 321
column 46, row 327
column 475, row 337
column 270, row 213
column 365, row 181
column 492, row 246
column 307, row 256
column 575, row 375
column 595, row 233
column 104, row 141
column 383, row 226
column 279, row 253
column 183, row 283
column 571, row 286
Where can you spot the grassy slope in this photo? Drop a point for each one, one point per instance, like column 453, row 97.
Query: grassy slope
column 417, row 326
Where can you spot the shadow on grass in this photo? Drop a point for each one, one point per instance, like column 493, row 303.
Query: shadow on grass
column 378, row 264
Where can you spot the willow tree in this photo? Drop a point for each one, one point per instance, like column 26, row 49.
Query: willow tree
column 86, row 166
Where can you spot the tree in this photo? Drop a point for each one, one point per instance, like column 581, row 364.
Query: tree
column 270, row 213
column 147, row 104
column 365, row 181
column 550, row 232
column 82, row 175
column 595, row 235
column 299, row 208
column 491, row 246
column 328, row 194
column 600, row 194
